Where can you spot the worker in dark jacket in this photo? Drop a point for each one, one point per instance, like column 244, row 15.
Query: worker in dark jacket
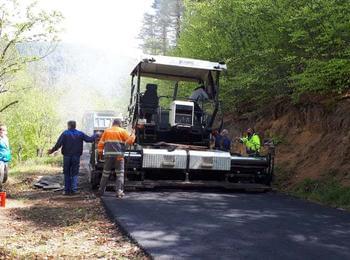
column 221, row 140
column 215, row 139
column 71, row 141
column 225, row 142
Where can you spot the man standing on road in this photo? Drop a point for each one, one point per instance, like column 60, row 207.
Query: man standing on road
column 112, row 145
column 5, row 154
column 71, row 141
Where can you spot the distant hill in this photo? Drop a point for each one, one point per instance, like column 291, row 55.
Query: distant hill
column 90, row 78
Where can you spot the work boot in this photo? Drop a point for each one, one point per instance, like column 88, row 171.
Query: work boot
column 120, row 194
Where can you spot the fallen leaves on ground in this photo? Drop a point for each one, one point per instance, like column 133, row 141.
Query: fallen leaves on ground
column 40, row 224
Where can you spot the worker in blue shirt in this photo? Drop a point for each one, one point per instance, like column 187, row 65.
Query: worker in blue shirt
column 221, row 140
column 71, row 141
column 225, row 142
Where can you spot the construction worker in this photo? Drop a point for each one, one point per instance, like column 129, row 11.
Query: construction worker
column 5, row 154
column 225, row 142
column 71, row 141
column 252, row 142
column 215, row 138
column 199, row 94
column 112, row 145
column 220, row 141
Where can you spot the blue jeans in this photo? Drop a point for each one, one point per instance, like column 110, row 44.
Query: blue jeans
column 71, row 171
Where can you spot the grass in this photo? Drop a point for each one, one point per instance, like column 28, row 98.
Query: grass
column 36, row 166
column 47, row 161
column 278, row 139
column 328, row 191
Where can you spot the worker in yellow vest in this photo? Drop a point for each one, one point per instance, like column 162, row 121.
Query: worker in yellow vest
column 252, row 142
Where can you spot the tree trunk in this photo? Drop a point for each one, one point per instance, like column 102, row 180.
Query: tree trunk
column 39, row 152
column 19, row 153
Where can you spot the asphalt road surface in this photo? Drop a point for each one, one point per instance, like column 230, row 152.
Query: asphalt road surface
column 209, row 225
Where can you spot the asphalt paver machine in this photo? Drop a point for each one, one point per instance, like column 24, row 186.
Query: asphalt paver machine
column 173, row 132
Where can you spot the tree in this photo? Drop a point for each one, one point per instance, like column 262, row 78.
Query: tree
column 273, row 48
column 21, row 26
column 161, row 28
column 33, row 123
column 176, row 14
column 148, row 35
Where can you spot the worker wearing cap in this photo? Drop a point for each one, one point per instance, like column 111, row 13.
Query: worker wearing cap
column 112, row 146
column 252, row 142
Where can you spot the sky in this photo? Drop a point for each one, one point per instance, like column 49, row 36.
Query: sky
column 102, row 24
column 104, row 49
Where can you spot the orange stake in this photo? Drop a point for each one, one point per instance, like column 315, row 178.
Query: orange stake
column 2, row 199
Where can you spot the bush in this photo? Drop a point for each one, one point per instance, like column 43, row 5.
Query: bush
column 327, row 191
column 272, row 48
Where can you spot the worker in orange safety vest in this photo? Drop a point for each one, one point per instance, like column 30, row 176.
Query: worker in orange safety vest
column 112, row 146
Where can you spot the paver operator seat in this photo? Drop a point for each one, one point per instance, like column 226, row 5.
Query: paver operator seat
column 149, row 102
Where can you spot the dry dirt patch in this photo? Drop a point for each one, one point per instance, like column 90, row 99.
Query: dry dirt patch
column 39, row 224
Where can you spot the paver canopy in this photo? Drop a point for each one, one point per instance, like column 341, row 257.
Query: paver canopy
column 179, row 69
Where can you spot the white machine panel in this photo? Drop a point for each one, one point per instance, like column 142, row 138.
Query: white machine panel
column 162, row 158
column 210, row 160
column 181, row 113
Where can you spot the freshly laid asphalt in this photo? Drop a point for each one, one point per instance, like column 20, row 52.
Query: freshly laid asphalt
column 214, row 225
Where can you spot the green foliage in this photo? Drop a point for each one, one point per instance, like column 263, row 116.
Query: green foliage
column 27, row 108
column 33, row 122
column 272, row 48
column 23, row 24
column 37, row 166
column 327, row 191
column 323, row 76
column 275, row 138
column 45, row 160
column 166, row 90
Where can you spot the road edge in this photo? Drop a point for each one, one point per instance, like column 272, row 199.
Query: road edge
column 122, row 229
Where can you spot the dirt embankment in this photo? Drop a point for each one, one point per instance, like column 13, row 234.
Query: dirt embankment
column 313, row 137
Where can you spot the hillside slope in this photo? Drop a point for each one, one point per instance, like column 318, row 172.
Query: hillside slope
column 313, row 137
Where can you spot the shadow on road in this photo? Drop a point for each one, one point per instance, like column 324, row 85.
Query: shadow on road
column 207, row 225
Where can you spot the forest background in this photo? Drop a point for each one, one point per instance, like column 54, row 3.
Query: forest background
column 274, row 50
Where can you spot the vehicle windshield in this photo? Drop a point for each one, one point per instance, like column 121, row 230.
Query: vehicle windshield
column 102, row 122
column 168, row 91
